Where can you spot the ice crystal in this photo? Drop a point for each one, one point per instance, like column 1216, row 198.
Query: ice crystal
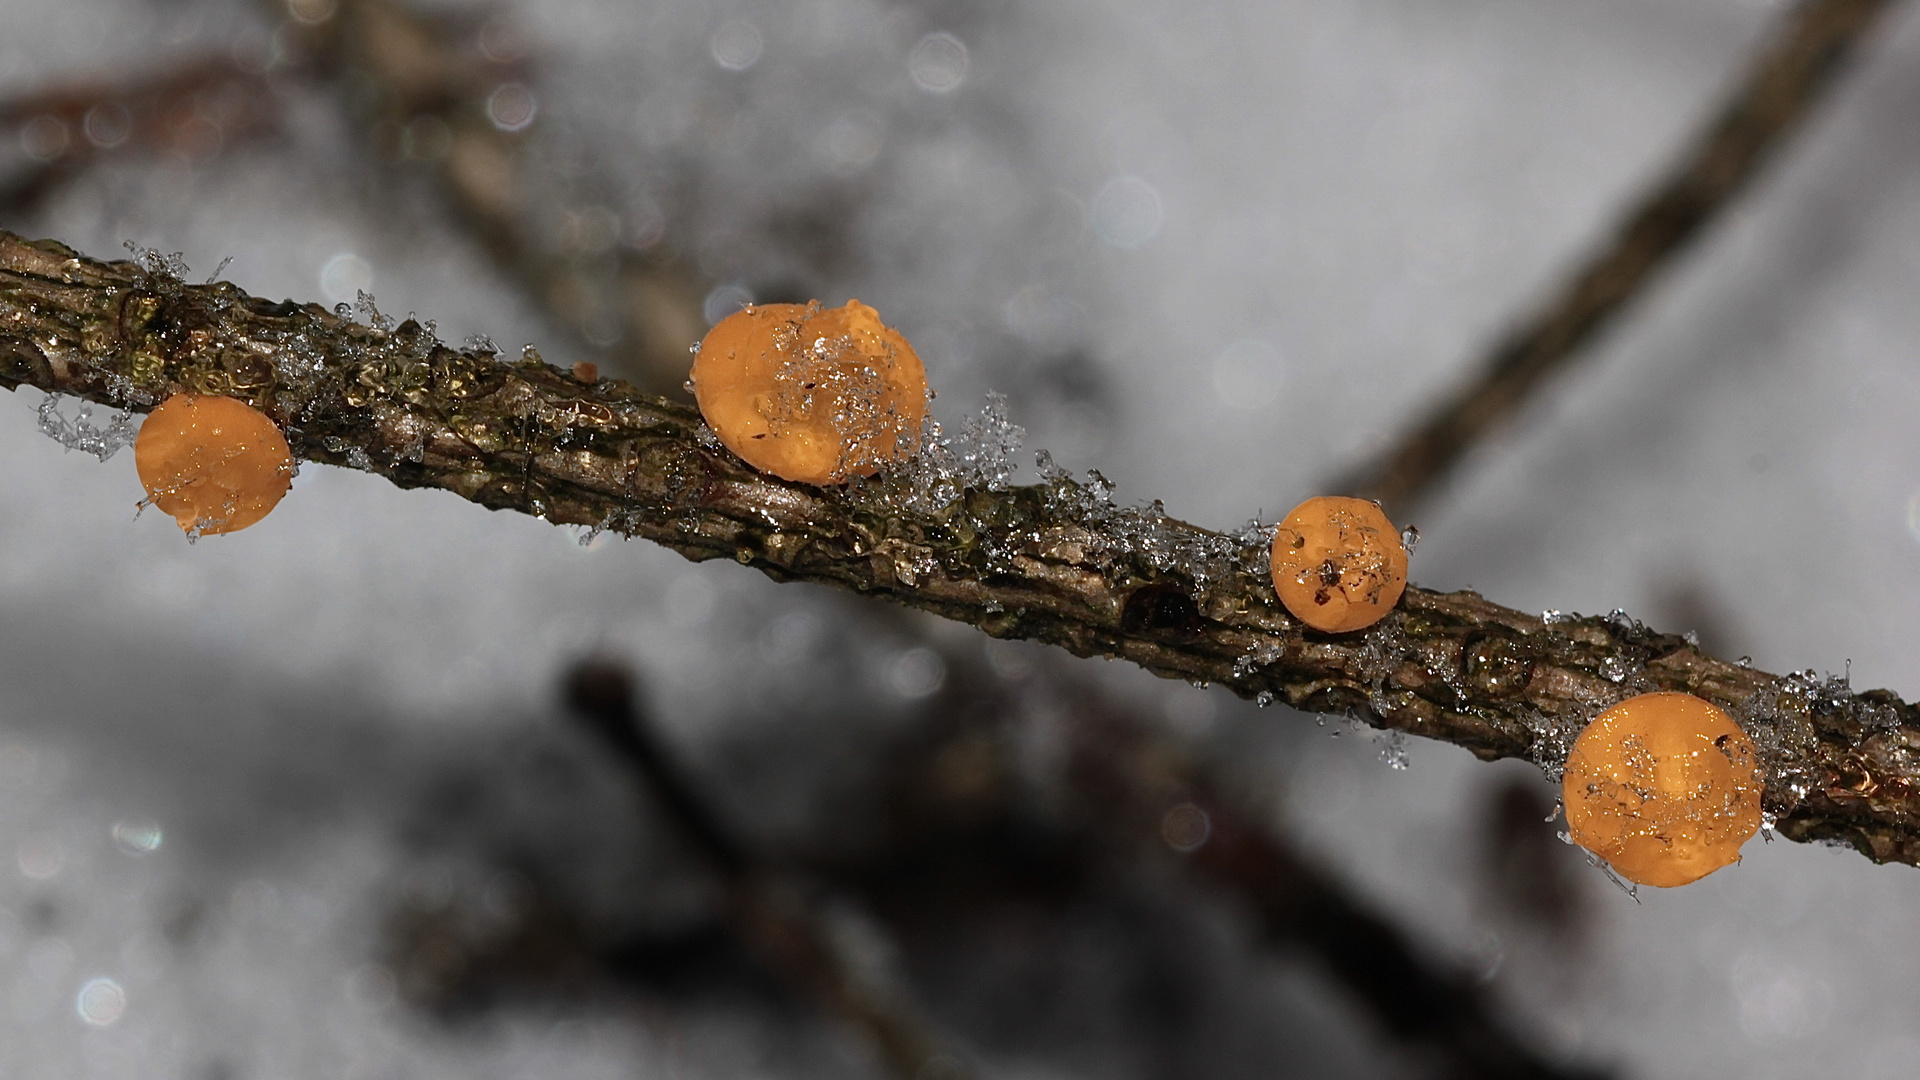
column 1600, row 864
column 81, row 433
column 987, row 443
column 368, row 312
column 1553, row 737
column 1257, row 657
column 1393, row 750
column 158, row 263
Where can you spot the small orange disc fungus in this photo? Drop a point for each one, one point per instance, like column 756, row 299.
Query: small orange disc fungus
column 1338, row 563
column 811, row 394
column 217, row 464
column 1665, row 787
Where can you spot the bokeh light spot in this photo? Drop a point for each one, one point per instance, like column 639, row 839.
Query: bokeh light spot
column 137, row 836
column 512, row 107
column 100, row 1002
column 1185, row 827
column 723, row 300
column 1126, row 212
column 39, row 858
column 736, row 45
column 917, row 673
column 938, row 63
column 344, row 277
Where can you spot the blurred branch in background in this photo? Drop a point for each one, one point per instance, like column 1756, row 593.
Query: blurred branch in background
column 453, row 96
column 983, row 823
column 1800, row 60
column 194, row 109
column 1136, row 793
column 1424, row 1006
column 768, row 908
column 1057, row 562
column 447, row 96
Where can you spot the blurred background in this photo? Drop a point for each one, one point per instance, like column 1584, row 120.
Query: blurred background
column 311, row 800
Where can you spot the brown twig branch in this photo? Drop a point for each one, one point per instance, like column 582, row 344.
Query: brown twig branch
column 1056, row 562
column 1784, row 82
column 767, row 908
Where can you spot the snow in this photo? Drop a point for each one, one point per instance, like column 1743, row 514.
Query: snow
column 1114, row 212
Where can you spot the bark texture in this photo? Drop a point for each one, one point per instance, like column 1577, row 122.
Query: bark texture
column 1056, row 562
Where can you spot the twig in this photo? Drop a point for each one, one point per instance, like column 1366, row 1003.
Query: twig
column 1800, row 60
column 427, row 78
column 1130, row 787
column 1416, row 1001
column 1056, row 562
column 195, row 107
column 768, row 909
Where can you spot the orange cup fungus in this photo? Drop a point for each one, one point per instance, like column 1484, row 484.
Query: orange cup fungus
column 811, row 394
column 1338, row 563
column 217, row 464
column 1665, row 787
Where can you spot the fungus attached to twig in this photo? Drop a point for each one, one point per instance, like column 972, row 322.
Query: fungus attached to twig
column 811, row 394
column 215, row 463
column 1665, row 787
column 1338, row 563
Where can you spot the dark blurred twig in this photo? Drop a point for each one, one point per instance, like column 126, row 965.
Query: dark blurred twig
column 195, row 108
column 1056, row 562
column 1785, row 80
column 468, row 116
column 1419, row 1002
column 1134, row 788
column 768, row 908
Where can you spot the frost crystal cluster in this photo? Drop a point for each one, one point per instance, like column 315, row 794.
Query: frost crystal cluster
column 81, row 433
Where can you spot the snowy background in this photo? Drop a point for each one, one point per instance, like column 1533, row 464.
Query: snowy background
column 1218, row 249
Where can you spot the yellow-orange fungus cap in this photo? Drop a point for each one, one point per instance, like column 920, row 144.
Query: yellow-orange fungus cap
column 217, row 464
column 1665, row 787
column 1338, row 563
column 811, row 394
